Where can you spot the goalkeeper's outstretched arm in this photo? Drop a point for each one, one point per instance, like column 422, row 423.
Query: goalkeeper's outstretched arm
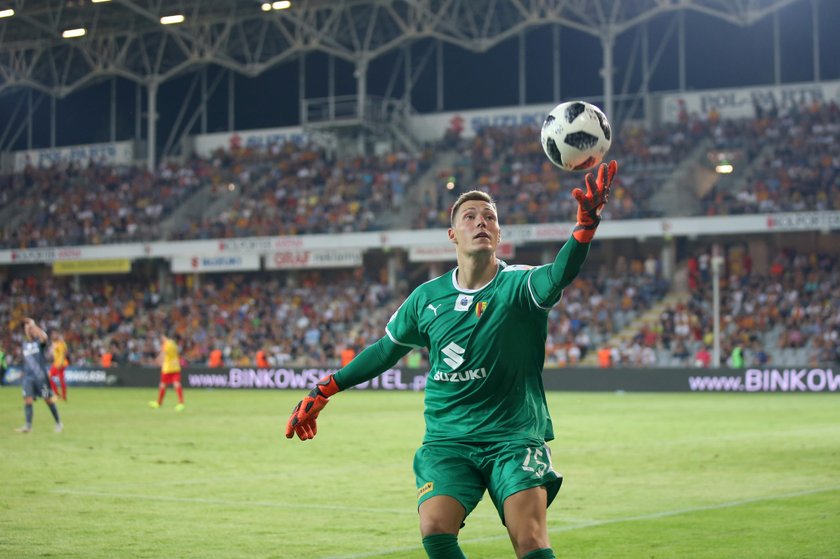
column 371, row 362
column 548, row 282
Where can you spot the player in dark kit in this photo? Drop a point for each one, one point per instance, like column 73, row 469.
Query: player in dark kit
column 487, row 421
column 36, row 375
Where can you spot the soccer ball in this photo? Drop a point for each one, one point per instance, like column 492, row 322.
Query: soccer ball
column 576, row 136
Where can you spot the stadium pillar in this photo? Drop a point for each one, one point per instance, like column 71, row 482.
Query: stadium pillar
column 815, row 36
column 777, row 50
column 648, row 101
column 717, row 261
column 607, row 42
column 555, row 61
column 113, row 116
column 331, row 85
column 29, row 115
column 52, row 120
column 231, row 99
column 204, row 100
column 523, row 94
column 361, row 87
column 681, row 49
column 393, row 270
column 407, row 75
column 138, row 111
column 668, row 258
column 152, row 125
column 439, row 81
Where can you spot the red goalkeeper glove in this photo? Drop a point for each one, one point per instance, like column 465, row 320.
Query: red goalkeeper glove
column 592, row 203
column 304, row 415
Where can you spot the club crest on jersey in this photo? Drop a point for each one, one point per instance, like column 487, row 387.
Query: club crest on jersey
column 463, row 303
column 480, row 308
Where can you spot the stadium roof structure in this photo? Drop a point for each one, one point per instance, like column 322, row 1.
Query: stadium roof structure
column 126, row 37
column 58, row 47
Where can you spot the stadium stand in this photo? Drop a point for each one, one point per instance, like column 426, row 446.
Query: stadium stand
column 301, row 189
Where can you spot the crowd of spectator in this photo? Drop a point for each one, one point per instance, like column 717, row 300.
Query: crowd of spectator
column 304, row 318
column 69, row 204
column 800, row 170
column 793, row 309
column 510, row 164
column 297, row 190
column 294, row 189
column 309, row 319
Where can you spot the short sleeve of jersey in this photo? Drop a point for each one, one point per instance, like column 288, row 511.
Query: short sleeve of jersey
column 403, row 327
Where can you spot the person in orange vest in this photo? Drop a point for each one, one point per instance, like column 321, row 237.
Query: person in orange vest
column 347, row 355
column 605, row 357
column 215, row 358
column 262, row 362
column 107, row 359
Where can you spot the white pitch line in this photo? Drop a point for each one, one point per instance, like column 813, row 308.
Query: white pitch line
column 596, row 523
column 229, row 503
column 260, row 504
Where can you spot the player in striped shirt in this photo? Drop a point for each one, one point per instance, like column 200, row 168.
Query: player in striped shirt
column 35, row 382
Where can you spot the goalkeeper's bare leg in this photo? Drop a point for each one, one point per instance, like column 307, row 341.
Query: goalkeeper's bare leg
column 440, row 521
column 525, row 518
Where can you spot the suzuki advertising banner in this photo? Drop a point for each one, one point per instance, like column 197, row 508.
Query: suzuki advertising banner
column 207, row 264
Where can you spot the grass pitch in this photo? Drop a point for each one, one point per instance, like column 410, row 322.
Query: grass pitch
column 646, row 476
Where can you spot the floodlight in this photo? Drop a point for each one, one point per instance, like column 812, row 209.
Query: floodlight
column 170, row 20
column 7, row 13
column 74, row 33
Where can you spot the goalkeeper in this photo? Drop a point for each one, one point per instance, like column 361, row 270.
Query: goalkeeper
column 484, row 324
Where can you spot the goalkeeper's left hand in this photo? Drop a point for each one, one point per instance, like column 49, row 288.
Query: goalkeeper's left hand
column 305, row 413
column 592, row 203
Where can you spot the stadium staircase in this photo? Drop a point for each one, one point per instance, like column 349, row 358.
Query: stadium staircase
column 206, row 201
column 14, row 214
column 740, row 180
column 682, row 190
column 425, row 188
column 629, row 326
column 632, row 327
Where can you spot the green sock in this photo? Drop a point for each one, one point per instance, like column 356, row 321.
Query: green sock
column 443, row 546
column 545, row 553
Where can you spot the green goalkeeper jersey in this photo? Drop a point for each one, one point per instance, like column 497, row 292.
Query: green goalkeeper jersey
column 486, row 350
column 486, row 346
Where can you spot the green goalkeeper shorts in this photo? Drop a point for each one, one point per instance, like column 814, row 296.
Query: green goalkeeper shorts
column 463, row 471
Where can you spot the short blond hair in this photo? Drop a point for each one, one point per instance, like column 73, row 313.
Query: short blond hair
column 466, row 197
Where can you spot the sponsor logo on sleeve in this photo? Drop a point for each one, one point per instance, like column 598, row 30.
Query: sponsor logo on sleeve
column 425, row 489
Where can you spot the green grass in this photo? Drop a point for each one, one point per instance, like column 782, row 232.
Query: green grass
column 647, row 476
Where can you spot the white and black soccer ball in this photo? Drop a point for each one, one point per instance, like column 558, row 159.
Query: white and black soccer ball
column 576, row 135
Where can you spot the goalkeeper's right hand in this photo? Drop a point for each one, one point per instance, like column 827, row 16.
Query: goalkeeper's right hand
column 305, row 413
column 591, row 203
